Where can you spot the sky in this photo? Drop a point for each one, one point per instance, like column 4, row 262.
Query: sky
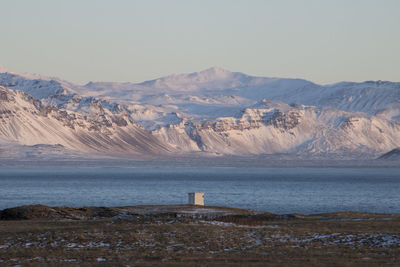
column 324, row 41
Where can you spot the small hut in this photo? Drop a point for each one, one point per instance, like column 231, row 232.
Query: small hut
column 196, row 198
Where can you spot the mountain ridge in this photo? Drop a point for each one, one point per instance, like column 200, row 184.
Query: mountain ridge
column 217, row 112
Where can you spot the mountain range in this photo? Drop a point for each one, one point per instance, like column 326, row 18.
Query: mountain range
column 214, row 112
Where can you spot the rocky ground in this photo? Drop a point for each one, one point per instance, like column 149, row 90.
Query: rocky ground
column 194, row 236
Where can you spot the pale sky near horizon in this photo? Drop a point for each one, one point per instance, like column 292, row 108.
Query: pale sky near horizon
column 324, row 41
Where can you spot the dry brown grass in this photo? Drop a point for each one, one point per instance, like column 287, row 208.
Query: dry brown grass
column 229, row 240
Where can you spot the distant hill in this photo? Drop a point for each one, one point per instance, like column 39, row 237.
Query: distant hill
column 393, row 154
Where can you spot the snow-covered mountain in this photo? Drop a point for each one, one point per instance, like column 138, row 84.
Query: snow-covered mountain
column 213, row 111
column 216, row 92
column 27, row 121
column 280, row 128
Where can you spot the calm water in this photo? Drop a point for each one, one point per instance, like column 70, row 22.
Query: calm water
column 276, row 190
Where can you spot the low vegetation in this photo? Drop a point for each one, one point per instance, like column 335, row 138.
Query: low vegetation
column 194, row 236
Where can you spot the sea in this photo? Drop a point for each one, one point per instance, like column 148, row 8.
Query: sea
column 276, row 190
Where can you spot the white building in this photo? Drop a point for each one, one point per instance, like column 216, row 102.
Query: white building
column 196, row 198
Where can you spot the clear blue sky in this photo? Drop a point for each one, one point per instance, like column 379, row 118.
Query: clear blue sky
column 100, row 40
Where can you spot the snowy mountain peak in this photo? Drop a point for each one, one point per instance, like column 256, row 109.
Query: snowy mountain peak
column 214, row 77
column 215, row 72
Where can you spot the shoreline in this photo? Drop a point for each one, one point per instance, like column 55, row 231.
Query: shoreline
column 39, row 211
column 197, row 162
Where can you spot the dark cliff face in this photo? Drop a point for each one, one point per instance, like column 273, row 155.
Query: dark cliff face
column 3, row 95
column 277, row 118
column 285, row 121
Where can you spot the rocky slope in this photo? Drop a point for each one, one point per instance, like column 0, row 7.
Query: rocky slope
column 280, row 128
column 27, row 121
